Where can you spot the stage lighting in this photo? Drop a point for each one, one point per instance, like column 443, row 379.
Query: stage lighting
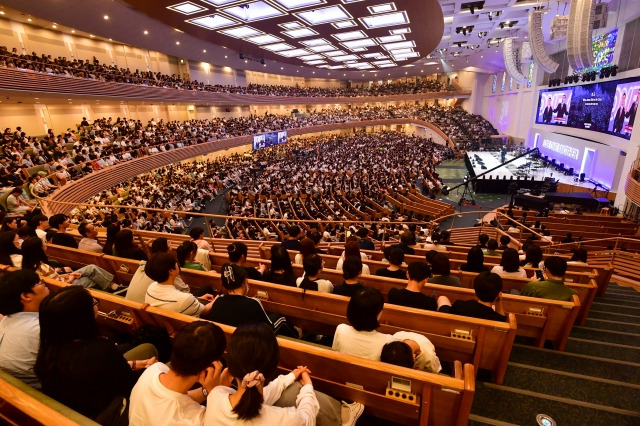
column 458, row 30
column 472, row 9
column 490, row 16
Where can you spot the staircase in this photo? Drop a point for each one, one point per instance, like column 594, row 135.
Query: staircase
column 595, row 381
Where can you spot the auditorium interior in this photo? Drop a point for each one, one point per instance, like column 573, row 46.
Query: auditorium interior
column 429, row 131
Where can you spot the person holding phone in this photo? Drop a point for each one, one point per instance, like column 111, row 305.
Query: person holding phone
column 487, row 304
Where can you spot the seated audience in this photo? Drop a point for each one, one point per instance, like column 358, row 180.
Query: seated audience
column 407, row 239
column 79, row 368
column 435, row 245
column 112, row 231
column 238, row 256
column 492, row 247
column 34, row 258
column 123, row 246
column 351, row 270
column 60, row 222
column 418, row 273
column 197, row 236
column 441, row 269
column 510, row 265
column 89, row 234
column 579, row 257
column 475, row 260
column 20, row 295
column 365, row 240
column 18, row 205
column 352, row 248
column 312, row 280
column 444, row 238
column 162, row 293
column 552, row 287
column 307, row 248
column 533, row 257
column 396, row 258
column 281, row 271
column 411, row 350
column 483, row 239
column 167, row 395
column 291, row 241
column 186, row 253
column 505, row 240
column 10, row 249
column 41, row 223
column 487, row 304
column 360, row 337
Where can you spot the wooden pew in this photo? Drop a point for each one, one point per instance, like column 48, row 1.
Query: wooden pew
column 433, row 400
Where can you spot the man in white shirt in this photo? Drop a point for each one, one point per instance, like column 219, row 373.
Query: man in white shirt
column 89, row 234
column 162, row 395
column 20, row 295
column 41, row 224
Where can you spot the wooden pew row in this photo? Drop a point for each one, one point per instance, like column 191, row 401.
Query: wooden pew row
column 433, row 400
column 485, row 344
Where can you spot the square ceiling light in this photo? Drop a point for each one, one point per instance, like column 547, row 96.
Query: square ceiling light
column 264, row 39
column 382, row 62
column 278, row 47
column 219, row 2
column 343, row 58
column 391, row 38
column 344, row 24
column 385, row 19
column 291, row 25
column 315, row 42
column 370, row 55
column 324, row 15
column 242, row 31
column 298, row 4
column 359, row 49
column 350, row 1
column 356, row 44
column 403, row 56
column 399, row 45
column 311, row 57
column 351, row 35
column 386, row 65
column 401, row 51
column 382, row 8
column 322, row 48
column 400, row 31
column 316, row 62
column 335, row 67
column 187, row 8
column 300, row 32
column 334, row 53
column 254, row 11
column 212, row 22
column 292, row 53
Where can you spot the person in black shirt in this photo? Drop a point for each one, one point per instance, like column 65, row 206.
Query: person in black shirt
column 125, row 247
column 316, row 237
column 395, row 257
column 351, row 270
column 291, row 242
column 475, row 261
column 364, row 240
column 504, row 242
column 483, row 239
column 238, row 256
column 281, row 271
column 412, row 296
column 406, row 239
column 488, row 288
column 60, row 223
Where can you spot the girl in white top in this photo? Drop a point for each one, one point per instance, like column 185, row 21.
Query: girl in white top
column 361, row 338
column 352, row 248
column 311, row 279
column 253, row 357
column 510, row 265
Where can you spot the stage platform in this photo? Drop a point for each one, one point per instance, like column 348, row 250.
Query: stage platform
column 527, row 172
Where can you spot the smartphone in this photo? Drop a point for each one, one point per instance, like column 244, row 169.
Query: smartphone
column 539, row 274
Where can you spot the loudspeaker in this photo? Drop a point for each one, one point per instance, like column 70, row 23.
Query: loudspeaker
column 571, row 171
column 562, row 166
column 582, row 177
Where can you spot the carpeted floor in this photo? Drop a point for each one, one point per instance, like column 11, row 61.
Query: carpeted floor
column 594, row 381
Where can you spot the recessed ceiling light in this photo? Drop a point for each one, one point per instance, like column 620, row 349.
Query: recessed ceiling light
column 178, row 43
column 311, row 57
column 300, row 32
column 291, row 25
column 356, row 44
column 73, row 31
column 324, row 15
column 146, row 32
column 298, row 4
column 316, row 62
column 281, row 68
column 204, row 50
column 344, row 24
column 91, row 35
column 242, row 31
column 254, row 11
column 29, row 19
column 385, row 20
column 400, row 31
column 351, row 35
column 401, row 56
column 219, row 2
column 399, row 45
column 391, row 38
column 322, row 48
column 54, row 26
column 382, row 62
column 334, row 53
column 292, row 53
column 187, row 8
column 343, row 58
column 212, row 22
column 106, row 17
column 278, row 47
column 382, row 8
column 315, row 42
column 1, row 12
column 264, row 39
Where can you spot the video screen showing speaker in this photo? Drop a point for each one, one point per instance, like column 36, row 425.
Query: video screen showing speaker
column 269, row 139
column 608, row 107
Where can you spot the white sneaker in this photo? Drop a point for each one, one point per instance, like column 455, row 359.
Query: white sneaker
column 351, row 413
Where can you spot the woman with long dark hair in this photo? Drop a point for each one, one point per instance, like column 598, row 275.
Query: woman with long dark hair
column 510, row 265
column 112, row 231
column 475, row 261
column 123, row 246
column 78, row 367
column 10, row 252
column 281, row 271
column 34, row 257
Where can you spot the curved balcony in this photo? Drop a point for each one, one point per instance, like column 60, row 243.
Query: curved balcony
column 64, row 199
column 632, row 186
column 21, row 81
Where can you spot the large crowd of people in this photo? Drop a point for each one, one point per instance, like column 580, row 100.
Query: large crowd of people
column 94, row 70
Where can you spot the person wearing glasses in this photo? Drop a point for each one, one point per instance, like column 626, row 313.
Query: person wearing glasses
column 20, row 295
